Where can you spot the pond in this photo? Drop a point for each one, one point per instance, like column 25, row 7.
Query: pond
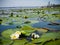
column 40, row 24
column 33, row 24
column 3, row 27
column 52, row 12
column 46, row 25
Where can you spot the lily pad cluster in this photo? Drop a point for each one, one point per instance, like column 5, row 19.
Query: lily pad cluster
column 18, row 35
column 22, row 36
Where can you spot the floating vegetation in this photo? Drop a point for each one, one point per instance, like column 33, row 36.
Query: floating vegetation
column 25, row 17
column 18, row 26
column 11, row 15
column 27, row 27
column 23, row 32
column 15, row 35
column 1, row 21
column 36, row 37
column 5, row 41
column 17, row 15
column 11, row 23
column 27, row 22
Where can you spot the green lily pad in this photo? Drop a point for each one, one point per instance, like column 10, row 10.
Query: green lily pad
column 30, row 44
column 56, row 42
column 20, row 42
column 7, row 33
column 28, row 32
column 5, row 41
column 47, row 37
column 26, row 27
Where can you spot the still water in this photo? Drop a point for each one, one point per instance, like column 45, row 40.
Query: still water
column 46, row 25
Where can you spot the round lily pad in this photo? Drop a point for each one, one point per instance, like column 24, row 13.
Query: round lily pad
column 5, row 41
column 47, row 37
column 20, row 42
column 7, row 33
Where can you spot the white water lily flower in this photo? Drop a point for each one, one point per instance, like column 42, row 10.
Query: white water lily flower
column 33, row 34
column 18, row 32
column 14, row 36
column 37, row 36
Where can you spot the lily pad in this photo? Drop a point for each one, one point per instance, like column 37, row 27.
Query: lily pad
column 7, row 33
column 57, row 42
column 27, row 27
column 47, row 37
column 20, row 42
column 5, row 41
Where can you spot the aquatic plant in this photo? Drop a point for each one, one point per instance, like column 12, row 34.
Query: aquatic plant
column 14, row 36
column 27, row 27
column 11, row 15
column 1, row 21
column 34, row 35
column 25, row 17
column 17, row 15
column 18, row 34
column 38, row 12
column 27, row 22
column 47, row 38
column 11, row 23
column 2, row 11
column 5, row 41
column 40, row 40
column 18, row 27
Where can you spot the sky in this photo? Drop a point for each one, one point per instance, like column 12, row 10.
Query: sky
column 22, row 3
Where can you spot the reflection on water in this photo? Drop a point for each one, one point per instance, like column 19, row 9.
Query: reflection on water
column 45, row 25
column 52, row 12
column 3, row 27
column 58, row 21
column 40, row 24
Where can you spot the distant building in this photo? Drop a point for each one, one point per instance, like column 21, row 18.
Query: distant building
column 52, row 5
